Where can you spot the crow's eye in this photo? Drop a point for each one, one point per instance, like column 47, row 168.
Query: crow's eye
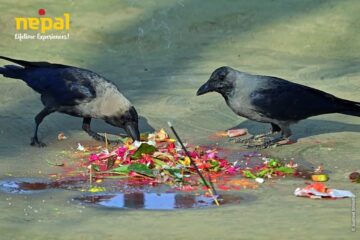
column 222, row 76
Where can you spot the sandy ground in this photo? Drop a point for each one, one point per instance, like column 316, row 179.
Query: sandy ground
column 159, row 53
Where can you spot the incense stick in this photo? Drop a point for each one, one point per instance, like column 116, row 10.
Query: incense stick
column 210, row 187
column 106, row 142
column 91, row 175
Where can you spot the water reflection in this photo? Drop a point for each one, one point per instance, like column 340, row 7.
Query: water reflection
column 31, row 185
column 155, row 201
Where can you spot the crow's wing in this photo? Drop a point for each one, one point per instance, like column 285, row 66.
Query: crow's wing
column 66, row 85
column 283, row 100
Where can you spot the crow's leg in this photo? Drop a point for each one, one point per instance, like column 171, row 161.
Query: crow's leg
column 285, row 132
column 274, row 130
column 94, row 135
column 86, row 128
column 38, row 119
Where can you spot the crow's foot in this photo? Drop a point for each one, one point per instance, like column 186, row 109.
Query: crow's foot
column 36, row 143
column 101, row 138
column 243, row 140
column 269, row 143
column 254, row 138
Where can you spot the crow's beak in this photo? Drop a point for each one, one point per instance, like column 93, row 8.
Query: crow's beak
column 133, row 131
column 204, row 89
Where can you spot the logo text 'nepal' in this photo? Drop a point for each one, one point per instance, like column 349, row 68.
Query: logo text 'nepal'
column 43, row 23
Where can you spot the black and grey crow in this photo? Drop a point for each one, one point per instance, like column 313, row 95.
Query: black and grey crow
column 77, row 92
column 274, row 100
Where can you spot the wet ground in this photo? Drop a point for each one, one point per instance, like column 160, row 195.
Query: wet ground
column 159, row 53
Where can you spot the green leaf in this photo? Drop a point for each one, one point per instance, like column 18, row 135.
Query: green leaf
column 110, row 163
column 121, row 169
column 248, row 174
column 287, row 170
column 214, row 164
column 141, row 168
column 143, row 149
column 216, row 169
column 159, row 162
column 95, row 167
column 263, row 172
column 174, row 172
column 96, row 189
column 273, row 163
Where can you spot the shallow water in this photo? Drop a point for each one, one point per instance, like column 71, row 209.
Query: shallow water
column 128, row 199
column 159, row 53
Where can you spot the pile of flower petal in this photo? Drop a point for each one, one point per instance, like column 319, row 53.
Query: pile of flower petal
column 158, row 159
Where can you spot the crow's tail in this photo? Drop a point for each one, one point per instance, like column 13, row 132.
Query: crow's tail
column 12, row 71
column 349, row 107
column 28, row 64
column 20, row 62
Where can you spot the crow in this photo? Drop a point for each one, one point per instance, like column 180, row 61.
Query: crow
column 274, row 100
column 77, row 92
